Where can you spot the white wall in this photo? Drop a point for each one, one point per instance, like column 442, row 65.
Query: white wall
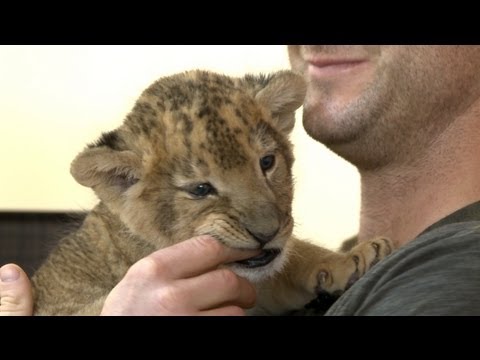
column 56, row 99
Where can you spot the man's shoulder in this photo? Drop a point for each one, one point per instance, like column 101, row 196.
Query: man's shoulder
column 458, row 230
column 442, row 242
column 438, row 273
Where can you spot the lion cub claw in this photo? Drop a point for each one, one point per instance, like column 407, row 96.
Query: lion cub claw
column 337, row 276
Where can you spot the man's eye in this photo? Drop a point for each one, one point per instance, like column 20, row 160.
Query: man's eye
column 267, row 162
column 202, row 190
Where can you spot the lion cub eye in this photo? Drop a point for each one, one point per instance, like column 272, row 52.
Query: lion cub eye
column 267, row 162
column 202, row 190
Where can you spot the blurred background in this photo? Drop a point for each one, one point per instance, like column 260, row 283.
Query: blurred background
column 56, row 99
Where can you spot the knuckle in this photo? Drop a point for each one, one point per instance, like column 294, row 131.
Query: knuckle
column 168, row 297
column 209, row 245
column 229, row 279
column 167, row 301
column 147, row 268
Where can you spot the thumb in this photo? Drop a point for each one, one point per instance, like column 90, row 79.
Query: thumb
column 15, row 291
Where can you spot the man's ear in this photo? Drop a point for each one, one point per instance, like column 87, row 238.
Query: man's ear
column 283, row 93
column 104, row 168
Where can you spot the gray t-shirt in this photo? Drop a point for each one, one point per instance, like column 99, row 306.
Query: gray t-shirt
column 438, row 273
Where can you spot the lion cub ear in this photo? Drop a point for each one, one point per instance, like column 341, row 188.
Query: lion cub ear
column 283, row 94
column 104, row 166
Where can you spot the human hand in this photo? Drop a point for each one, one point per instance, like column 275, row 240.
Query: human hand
column 15, row 291
column 184, row 279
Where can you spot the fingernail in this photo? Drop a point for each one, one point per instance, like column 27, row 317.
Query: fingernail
column 9, row 273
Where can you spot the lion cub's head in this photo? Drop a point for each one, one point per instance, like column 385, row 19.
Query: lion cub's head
column 202, row 153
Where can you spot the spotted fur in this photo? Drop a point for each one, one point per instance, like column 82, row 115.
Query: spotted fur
column 186, row 130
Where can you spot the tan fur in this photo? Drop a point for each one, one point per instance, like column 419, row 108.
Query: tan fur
column 189, row 129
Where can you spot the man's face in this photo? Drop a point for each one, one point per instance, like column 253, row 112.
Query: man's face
column 373, row 103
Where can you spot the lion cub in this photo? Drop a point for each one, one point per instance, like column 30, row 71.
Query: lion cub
column 200, row 153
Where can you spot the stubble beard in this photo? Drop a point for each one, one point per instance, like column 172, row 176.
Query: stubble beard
column 395, row 118
column 359, row 132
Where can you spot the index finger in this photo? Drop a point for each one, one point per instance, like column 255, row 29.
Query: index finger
column 196, row 256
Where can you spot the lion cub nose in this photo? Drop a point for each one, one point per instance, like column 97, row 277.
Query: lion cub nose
column 263, row 238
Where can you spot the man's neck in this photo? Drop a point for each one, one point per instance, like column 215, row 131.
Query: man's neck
column 402, row 201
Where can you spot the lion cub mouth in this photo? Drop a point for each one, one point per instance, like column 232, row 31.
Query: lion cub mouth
column 265, row 257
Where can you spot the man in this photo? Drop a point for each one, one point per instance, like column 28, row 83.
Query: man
column 408, row 117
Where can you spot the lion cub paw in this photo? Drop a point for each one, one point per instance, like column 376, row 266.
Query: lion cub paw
column 344, row 271
column 367, row 254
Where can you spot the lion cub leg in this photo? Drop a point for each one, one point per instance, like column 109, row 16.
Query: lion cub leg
column 311, row 271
